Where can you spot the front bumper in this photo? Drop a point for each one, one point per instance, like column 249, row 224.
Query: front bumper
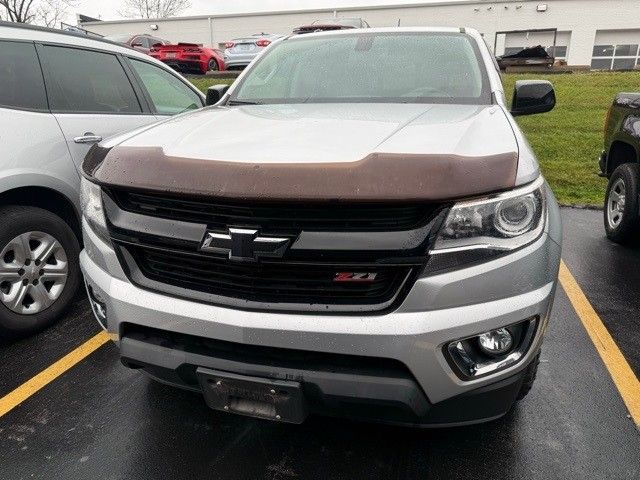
column 602, row 163
column 238, row 60
column 158, row 332
column 183, row 65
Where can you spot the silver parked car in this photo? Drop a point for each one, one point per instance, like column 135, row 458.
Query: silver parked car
column 239, row 52
column 60, row 93
column 382, row 246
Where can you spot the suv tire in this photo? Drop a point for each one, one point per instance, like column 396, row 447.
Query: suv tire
column 50, row 282
column 529, row 377
column 622, row 206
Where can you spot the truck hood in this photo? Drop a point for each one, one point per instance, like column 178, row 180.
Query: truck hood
column 360, row 152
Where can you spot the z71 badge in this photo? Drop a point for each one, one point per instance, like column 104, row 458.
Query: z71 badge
column 354, row 277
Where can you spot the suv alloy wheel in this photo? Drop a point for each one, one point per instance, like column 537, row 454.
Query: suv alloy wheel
column 39, row 269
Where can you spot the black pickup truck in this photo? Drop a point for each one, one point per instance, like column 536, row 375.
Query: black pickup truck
column 619, row 162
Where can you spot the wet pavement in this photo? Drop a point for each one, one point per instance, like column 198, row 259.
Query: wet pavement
column 101, row 420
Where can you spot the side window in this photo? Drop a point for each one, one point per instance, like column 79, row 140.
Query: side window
column 21, row 83
column 144, row 41
column 168, row 93
column 87, row 81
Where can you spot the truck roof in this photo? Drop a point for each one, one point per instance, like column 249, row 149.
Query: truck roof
column 359, row 31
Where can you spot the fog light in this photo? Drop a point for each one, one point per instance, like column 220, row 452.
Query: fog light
column 492, row 351
column 496, row 342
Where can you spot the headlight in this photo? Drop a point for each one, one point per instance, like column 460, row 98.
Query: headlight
column 92, row 209
column 478, row 229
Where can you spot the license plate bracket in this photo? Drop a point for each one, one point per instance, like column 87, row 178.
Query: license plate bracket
column 279, row 400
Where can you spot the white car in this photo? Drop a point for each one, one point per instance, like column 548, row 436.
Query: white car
column 61, row 93
column 240, row 52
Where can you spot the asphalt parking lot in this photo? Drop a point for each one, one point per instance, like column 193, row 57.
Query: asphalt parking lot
column 101, row 420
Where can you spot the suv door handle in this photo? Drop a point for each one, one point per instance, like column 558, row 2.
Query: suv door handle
column 88, row 137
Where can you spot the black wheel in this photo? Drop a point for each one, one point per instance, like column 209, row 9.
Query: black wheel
column 39, row 269
column 622, row 206
column 213, row 65
column 529, row 377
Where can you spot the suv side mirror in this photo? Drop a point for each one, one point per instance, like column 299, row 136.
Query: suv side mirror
column 136, row 44
column 215, row 93
column 532, row 96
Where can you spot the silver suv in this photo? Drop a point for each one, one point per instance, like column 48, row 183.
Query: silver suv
column 382, row 245
column 59, row 94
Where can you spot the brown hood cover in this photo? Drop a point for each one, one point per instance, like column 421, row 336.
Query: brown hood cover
column 377, row 177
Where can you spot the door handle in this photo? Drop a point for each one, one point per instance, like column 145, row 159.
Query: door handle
column 88, row 137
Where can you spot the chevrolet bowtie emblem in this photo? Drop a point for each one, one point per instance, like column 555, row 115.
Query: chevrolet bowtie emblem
column 244, row 245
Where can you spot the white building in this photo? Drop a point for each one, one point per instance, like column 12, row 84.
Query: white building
column 602, row 33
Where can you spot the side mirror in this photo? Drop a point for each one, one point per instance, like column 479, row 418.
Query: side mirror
column 136, row 44
column 215, row 93
column 532, row 96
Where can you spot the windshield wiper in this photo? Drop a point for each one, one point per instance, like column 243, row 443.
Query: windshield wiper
column 242, row 102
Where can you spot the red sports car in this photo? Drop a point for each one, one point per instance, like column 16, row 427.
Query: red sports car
column 189, row 57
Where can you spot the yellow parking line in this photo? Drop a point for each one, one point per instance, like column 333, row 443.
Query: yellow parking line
column 49, row 374
column 625, row 380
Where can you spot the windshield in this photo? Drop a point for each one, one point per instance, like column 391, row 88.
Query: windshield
column 431, row 67
column 350, row 22
column 118, row 38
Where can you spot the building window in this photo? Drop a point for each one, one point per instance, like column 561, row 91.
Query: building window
column 560, row 51
column 624, row 63
column 512, row 50
column 603, row 51
column 626, row 50
column 601, row 64
column 615, row 57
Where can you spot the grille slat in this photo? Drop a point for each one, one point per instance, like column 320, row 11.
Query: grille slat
column 273, row 283
column 266, row 282
column 229, row 277
column 279, row 217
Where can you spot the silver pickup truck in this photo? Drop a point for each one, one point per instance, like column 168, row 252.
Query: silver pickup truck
column 369, row 238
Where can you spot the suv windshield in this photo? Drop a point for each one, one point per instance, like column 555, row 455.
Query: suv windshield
column 431, row 67
column 118, row 38
column 349, row 22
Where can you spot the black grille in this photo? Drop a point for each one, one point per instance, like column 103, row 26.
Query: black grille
column 279, row 217
column 267, row 282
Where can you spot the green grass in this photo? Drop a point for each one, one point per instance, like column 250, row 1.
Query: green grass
column 205, row 82
column 567, row 140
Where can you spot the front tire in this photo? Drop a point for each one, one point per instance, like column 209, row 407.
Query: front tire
column 622, row 206
column 39, row 269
